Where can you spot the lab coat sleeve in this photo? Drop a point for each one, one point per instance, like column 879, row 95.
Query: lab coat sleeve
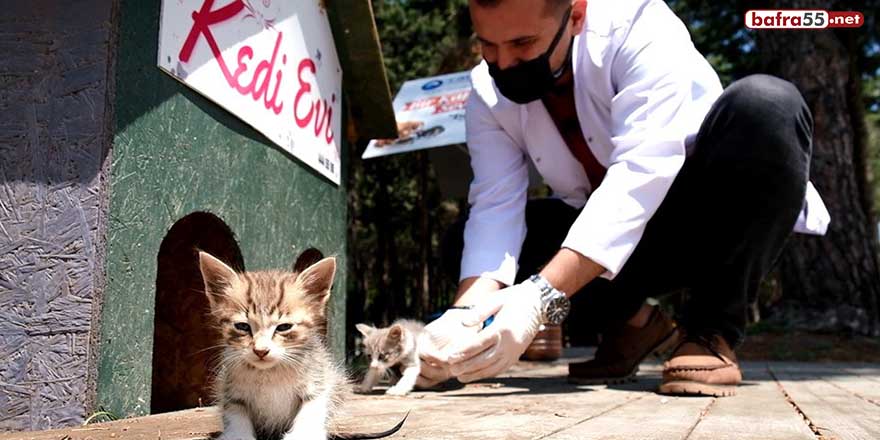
column 495, row 228
column 655, row 72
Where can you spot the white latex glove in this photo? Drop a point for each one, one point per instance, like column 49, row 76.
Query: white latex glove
column 518, row 315
column 435, row 341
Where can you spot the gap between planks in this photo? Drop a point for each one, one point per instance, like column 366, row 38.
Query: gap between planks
column 700, row 419
column 794, row 405
column 847, row 390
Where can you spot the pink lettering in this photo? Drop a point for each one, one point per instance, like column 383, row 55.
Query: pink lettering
column 244, row 52
column 322, row 121
column 304, row 88
column 202, row 22
column 265, row 68
column 258, row 86
column 305, row 107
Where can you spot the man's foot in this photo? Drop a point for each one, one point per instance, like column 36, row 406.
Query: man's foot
column 620, row 352
column 701, row 366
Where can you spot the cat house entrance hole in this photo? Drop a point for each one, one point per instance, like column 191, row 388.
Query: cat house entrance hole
column 184, row 340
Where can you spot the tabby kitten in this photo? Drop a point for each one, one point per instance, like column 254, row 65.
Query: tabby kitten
column 276, row 378
column 387, row 347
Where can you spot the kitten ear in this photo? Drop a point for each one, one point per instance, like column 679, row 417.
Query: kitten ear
column 395, row 333
column 307, row 258
column 317, row 279
column 217, row 275
column 365, row 329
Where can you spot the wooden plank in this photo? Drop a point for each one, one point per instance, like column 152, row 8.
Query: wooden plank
column 55, row 138
column 759, row 411
column 644, row 415
column 834, row 411
column 526, row 404
column 193, row 424
column 869, row 374
column 860, row 386
column 862, row 381
column 366, row 84
column 534, row 402
column 519, row 406
column 650, row 416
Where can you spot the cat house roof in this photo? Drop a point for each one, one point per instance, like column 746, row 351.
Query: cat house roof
column 365, row 83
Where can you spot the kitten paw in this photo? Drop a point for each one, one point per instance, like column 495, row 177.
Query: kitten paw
column 395, row 391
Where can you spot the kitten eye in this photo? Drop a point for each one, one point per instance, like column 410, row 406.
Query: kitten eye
column 242, row 327
column 283, row 327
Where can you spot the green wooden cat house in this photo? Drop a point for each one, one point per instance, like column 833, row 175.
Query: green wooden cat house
column 112, row 173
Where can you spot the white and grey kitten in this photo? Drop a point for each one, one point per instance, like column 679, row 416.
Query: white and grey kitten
column 397, row 345
column 276, row 378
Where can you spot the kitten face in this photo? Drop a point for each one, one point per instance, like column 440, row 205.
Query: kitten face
column 266, row 318
column 385, row 347
column 262, row 338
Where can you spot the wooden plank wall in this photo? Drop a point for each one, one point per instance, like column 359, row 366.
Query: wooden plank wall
column 53, row 159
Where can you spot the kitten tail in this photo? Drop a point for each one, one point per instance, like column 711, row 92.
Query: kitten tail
column 375, row 435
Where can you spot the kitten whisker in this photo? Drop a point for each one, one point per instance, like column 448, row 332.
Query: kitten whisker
column 213, row 347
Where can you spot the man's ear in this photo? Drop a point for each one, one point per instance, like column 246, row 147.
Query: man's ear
column 365, row 329
column 317, row 279
column 218, row 277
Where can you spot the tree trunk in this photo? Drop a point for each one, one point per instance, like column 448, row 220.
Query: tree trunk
column 355, row 292
column 385, row 302
column 829, row 283
column 423, row 305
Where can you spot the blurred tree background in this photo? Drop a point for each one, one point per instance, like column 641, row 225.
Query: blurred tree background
column 829, row 284
column 397, row 214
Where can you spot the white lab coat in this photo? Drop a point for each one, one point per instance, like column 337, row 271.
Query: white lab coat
column 641, row 91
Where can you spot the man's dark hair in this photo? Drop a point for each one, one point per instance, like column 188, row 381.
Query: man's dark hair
column 551, row 7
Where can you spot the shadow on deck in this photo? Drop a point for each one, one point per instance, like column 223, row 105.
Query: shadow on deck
column 779, row 400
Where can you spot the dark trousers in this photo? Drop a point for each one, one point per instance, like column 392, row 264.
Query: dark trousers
column 719, row 229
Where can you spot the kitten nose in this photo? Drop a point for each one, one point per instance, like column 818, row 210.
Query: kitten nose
column 261, row 352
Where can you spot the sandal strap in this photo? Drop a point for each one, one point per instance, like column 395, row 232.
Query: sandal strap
column 708, row 342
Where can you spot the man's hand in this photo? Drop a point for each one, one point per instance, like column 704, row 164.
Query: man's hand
column 518, row 314
column 433, row 369
column 437, row 337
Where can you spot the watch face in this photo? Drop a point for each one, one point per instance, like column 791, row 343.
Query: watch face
column 557, row 310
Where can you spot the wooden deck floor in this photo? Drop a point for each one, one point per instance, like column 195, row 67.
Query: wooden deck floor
column 777, row 401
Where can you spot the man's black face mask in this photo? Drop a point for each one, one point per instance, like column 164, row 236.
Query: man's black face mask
column 532, row 79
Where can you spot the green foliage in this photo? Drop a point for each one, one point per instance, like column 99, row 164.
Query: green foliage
column 873, row 124
column 718, row 32
column 391, row 196
column 416, row 35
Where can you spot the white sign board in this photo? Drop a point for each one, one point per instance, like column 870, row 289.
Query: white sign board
column 438, row 104
column 271, row 63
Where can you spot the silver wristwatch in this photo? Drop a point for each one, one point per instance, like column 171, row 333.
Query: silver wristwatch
column 555, row 305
